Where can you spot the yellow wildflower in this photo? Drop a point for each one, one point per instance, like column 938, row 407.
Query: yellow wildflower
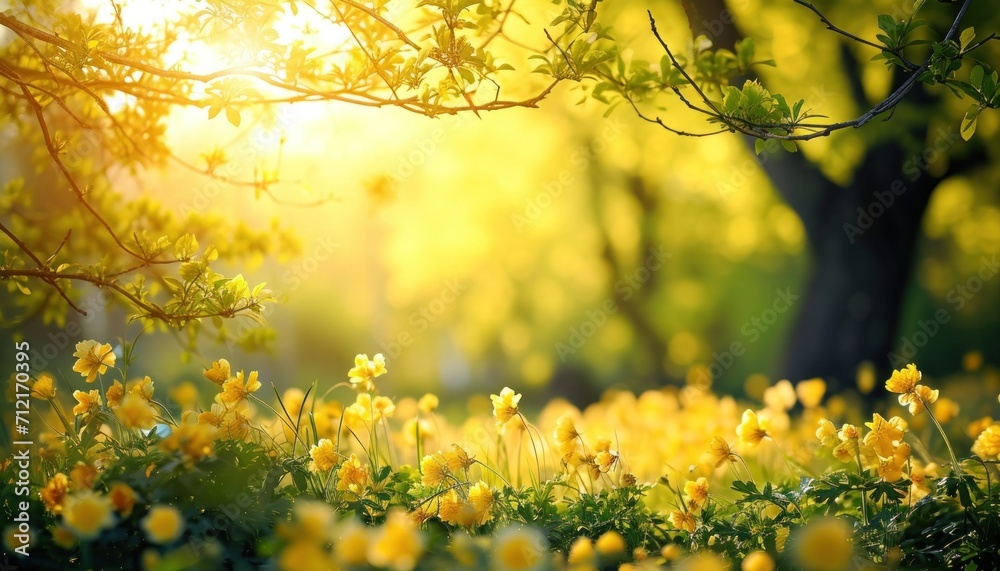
column 122, row 498
column 219, row 373
column 752, row 430
column 434, row 470
column 610, row 544
column 236, row 390
column 757, row 561
column 891, row 469
column 193, row 440
column 384, row 407
column 163, row 524
column 185, row 395
column 987, row 444
column 82, row 477
column 86, row 402
column 696, row 493
column 324, row 456
column 87, row 514
column 43, row 388
column 352, row 475
column 606, row 460
column 683, row 520
column 720, row 451
column 920, row 397
column 884, row 434
column 456, row 510
column 143, row 388
column 428, row 403
column 351, row 543
column 53, row 494
column 825, row 545
column 903, row 381
column 114, row 394
column 565, row 430
column 811, row 392
column 581, row 552
column 458, row 459
column 946, row 409
column 396, row 544
column 505, row 405
column 93, row 359
column 135, row 412
column 826, row 433
column 519, row 549
column 363, row 375
column 482, row 499
column 63, row 537
column 780, row 397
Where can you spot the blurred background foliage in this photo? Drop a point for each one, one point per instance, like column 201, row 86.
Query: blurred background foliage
column 469, row 250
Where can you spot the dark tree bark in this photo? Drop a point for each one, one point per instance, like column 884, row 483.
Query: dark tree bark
column 850, row 306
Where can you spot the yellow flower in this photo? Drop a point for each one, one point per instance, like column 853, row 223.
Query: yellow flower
column 352, row 475
column 849, row 432
column 505, row 405
column 696, row 493
column 213, row 416
column 458, row 459
column 810, row 393
column 219, row 373
column 93, row 359
column 236, row 390
column 135, row 412
column 434, row 470
column 143, row 388
column 482, row 498
column 826, row 433
column 428, row 403
column 324, row 456
column 519, row 549
column 825, row 545
column 987, row 444
column 565, row 431
column 780, row 397
column 891, row 469
column 581, row 552
column 720, row 451
column 53, row 495
column 751, row 431
column 606, row 460
column 610, row 544
column 86, row 402
column 683, row 520
column 193, row 440
column 351, row 543
column 43, row 388
column 363, row 375
column 456, row 510
column 114, row 395
column 757, row 561
column 122, row 498
column 235, row 424
column 384, row 407
column 82, row 477
column 884, row 434
column 917, row 399
column 63, row 537
column 185, row 395
column 87, row 514
column 946, row 409
column 423, row 429
column 903, row 380
column 163, row 524
column 314, row 521
column 396, row 544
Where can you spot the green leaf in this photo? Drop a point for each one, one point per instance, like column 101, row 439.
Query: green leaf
column 967, row 36
column 789, row 146
column 969, row 121
column 759, row 145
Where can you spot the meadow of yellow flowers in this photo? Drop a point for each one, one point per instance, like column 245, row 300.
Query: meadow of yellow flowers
column 343, row 477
